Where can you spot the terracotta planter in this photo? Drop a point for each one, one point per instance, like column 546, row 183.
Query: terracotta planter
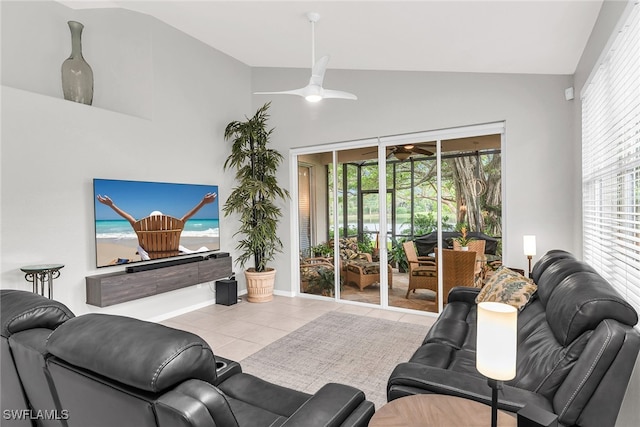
column 260, row 285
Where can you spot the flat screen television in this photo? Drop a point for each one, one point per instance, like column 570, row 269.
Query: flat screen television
column 141, row 221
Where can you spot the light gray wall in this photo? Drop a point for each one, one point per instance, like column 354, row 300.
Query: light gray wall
column 161, row 102
column 539, row 178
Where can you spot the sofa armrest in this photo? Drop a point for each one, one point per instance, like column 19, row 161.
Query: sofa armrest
column 414, row 378
column 332, row 406
column 361, row 416
column 464, row 294
column 225, row 368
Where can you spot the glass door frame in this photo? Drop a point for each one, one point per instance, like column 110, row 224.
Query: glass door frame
column 382, row 144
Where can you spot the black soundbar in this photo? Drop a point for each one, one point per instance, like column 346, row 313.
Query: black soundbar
column 217, row 255
column 169, row 263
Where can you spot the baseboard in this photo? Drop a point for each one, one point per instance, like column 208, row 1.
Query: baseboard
column 181, row 311
column 284, row 293
column 207, row 303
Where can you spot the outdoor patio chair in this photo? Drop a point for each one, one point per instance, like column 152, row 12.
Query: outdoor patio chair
column 458, row 270
column 478, row 247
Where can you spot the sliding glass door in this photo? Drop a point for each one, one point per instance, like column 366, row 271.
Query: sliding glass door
column 366, row 207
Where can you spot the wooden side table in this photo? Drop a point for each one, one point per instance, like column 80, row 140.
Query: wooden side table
column 435, row 410
column 39, row 274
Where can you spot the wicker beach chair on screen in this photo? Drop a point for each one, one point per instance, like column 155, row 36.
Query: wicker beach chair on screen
column 159, row 235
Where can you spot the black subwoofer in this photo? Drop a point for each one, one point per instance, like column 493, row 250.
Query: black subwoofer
column 226, row 292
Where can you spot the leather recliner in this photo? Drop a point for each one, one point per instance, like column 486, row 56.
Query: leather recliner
column 26, row 322
column 104, row 370
column 576, row 348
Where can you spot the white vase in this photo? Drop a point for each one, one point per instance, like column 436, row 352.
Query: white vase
column 464, row 248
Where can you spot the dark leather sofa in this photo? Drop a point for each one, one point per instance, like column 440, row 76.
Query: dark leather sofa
column 99, row 370
column 576, row 348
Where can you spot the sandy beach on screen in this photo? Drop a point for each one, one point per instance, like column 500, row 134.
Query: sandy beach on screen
column 109, row 250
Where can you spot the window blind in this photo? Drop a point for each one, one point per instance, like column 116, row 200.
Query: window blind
column 611, row 163
column 304, row 209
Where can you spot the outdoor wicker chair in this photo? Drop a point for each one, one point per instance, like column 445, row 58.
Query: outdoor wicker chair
column 458, row 270
column 477, row 246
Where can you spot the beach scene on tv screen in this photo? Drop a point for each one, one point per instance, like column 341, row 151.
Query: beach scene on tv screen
column 139, row 221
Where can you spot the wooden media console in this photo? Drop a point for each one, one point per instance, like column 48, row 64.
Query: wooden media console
column 114, row 288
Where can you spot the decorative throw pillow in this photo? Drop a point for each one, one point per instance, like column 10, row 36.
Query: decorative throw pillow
column 508, row 287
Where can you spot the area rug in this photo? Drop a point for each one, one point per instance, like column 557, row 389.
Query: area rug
column 338, row 347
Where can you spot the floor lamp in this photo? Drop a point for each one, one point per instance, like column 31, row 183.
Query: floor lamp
column 496, row 347
column 529, row 243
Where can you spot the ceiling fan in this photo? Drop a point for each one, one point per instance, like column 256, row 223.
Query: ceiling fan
column 314, row 92
column 403, row 152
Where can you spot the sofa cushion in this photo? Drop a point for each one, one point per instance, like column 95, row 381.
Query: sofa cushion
column 259, row 393
column 141, row 354
column 583, row 300
column 543, row 364
column 508, row 287
column 366, row 266
column 434, row 354
column 548, row 259
column 556, row 273
column 22, row 310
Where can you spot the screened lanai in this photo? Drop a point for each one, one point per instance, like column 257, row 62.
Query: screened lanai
column 426, row 190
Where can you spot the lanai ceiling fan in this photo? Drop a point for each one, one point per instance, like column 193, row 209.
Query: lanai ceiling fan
column 403, row 152
column 314, row 92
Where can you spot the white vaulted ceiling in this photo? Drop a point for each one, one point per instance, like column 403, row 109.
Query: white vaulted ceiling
column 507, row 36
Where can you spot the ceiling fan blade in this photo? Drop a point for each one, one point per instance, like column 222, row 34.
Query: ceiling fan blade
column 422, row 151
column 317, row 73
column 328, row 93
column 299, row 92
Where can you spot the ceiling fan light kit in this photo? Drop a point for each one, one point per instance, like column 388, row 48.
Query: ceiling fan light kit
column 314, row 92
column 402, row 155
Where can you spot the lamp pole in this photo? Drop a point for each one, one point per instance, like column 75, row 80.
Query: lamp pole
column 495, row 386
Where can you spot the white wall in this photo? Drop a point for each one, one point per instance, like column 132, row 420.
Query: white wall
column 539, row 178
column 162, row 100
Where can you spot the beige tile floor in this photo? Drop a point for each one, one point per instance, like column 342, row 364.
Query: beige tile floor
column 239, row 330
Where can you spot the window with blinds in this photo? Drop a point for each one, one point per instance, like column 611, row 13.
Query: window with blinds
column 304, row 209
column 611, row 163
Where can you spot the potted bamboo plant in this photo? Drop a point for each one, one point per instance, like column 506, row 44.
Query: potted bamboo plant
column 254, row 200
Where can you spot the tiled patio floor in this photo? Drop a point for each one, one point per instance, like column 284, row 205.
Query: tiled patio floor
column 422, row 299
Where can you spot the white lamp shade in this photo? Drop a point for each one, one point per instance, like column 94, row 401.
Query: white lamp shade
column 529, row 243
column 497, row 339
